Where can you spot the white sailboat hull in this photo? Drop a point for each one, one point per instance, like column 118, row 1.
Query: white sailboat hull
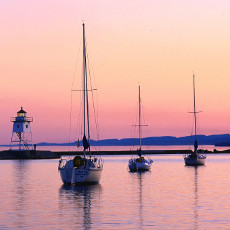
column 194, row 161
column 135, row 165
column 86, row 175
column 73, row 175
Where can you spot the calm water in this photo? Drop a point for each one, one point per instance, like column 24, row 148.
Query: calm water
column 171, row 196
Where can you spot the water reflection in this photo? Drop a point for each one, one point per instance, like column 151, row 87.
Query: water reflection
column 138, row 179
column 20, row 171
column 195, row 182
column 196, row 197
column 20, row 174
column 78, row 201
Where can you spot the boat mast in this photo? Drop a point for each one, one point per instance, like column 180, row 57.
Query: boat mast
column 85, row 90
column 84, row 60
column 140, row 117
column 195, row 112
column 194, row 95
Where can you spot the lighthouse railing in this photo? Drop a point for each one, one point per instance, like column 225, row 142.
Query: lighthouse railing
column 22, row 119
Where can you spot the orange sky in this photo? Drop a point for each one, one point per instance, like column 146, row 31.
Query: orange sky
column 157, row 44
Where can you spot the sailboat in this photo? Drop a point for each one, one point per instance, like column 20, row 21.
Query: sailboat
column 86, row 168
column 196, row 157
column 139, row 163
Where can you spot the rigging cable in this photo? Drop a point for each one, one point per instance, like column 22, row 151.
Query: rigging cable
column 94, row 109
column 71, row 96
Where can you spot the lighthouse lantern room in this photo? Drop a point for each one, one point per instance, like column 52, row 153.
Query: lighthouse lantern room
column 21, row 135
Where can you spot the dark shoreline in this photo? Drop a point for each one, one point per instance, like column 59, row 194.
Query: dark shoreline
column 43, row 154
column 133, row 152
column 27, row 154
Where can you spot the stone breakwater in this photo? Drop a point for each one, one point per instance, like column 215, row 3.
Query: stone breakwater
column 27, row 154
column 42, row 154
column 133, row 152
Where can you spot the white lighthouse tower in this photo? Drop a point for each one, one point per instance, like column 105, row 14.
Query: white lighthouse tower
column 21, row 135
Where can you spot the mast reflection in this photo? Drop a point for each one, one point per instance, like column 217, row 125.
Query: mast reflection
column 196, row 197
column 138, row 179
column 195, row 174
column 78, row 200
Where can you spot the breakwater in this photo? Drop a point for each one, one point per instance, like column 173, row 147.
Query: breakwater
column 27, row 154
column 43, row 154
column 134, row 152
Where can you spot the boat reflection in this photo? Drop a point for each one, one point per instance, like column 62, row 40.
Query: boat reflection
column 138, row 179
column 140, row 176
column 78, row 201
column 195, row 173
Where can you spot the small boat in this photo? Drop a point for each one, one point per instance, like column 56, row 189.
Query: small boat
column 86, row 168
column 139, row 163
column 197, row 157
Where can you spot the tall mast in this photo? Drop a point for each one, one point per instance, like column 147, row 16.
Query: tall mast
column 84, row 73
column 139, row 123
column 87, row 100
column 85, row 91
column 140, row 115
column 194, row 110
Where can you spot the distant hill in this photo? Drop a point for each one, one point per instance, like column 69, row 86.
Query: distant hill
column 218, row 140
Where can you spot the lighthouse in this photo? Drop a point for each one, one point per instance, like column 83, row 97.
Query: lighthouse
column 21, row 134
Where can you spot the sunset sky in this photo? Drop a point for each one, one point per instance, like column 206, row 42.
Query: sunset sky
column 157, row 44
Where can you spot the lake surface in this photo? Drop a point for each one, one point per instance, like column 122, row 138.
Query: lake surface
column 171, row 196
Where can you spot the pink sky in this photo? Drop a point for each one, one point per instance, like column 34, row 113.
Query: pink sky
column 157, row 44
